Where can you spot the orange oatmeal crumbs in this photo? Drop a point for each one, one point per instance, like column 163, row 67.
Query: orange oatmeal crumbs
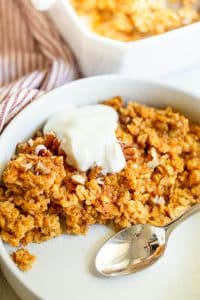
column 128, row 20
column 23, row 259
column 161, row 180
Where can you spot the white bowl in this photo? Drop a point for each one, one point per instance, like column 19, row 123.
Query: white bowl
column 64, row 265
column 146, row 58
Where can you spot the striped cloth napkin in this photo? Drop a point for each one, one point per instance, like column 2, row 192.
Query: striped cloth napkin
column 33, row 57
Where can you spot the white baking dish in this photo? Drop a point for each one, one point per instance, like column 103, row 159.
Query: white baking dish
column 150, row 57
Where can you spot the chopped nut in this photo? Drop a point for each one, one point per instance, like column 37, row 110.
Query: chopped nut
column 100, row 180
column 159, row 200
column 78, row 179
column 30, row 142
column 42, row 169
column 155, row 161
column 27, row 166
column 40, row 149
column 125, row 119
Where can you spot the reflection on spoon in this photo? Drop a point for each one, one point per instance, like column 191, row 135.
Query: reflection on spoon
column 136, row 247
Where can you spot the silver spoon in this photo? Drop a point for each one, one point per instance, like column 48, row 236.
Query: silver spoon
column 136, row 247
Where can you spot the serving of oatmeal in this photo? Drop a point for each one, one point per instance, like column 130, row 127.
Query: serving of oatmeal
column 128, row 20
column 23, row 259
column 41, row 196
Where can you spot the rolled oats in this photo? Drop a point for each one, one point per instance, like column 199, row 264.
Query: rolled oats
column 23, row 259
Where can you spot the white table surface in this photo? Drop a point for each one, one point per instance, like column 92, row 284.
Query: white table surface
column 188, row 79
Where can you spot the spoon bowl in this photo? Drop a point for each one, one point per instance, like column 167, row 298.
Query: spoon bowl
column 136, row 247
column 131, row 249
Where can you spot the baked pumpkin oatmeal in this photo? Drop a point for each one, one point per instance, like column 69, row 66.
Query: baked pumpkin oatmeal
column 23, row 259
column 128, row 20
column 42, row 196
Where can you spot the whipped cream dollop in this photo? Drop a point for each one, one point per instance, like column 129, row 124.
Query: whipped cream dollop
column 87, row 136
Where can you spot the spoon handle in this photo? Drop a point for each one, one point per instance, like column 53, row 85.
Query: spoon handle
column 170, row 227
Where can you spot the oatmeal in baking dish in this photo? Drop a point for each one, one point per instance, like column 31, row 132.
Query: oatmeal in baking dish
column 128, row 20
column 42, row 196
